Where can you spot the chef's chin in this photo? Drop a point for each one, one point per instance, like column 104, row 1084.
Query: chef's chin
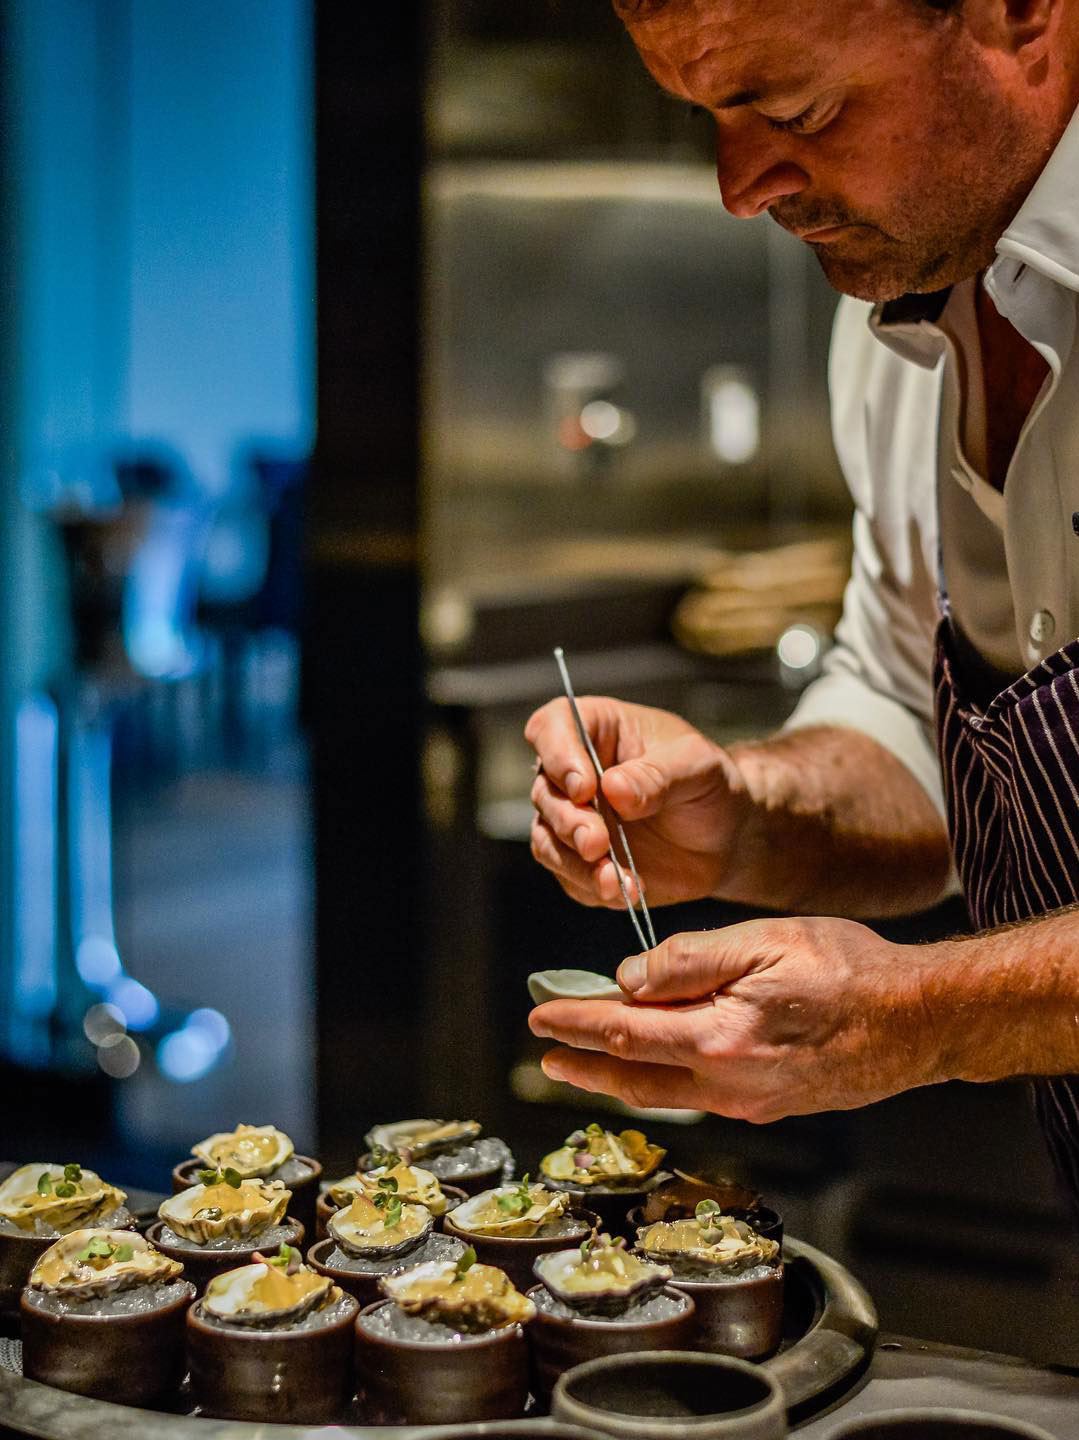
column 868, row 271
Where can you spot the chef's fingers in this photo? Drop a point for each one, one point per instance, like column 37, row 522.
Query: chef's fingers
column 552, row 733
column 628, row 1032
column 673, row 773
column 642, row 1086
column 698, row 963
column 579, row 827
column 588, row 884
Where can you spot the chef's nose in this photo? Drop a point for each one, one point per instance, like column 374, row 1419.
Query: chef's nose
column 751, row 177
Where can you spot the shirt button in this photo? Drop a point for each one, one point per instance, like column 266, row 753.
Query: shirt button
column 1042, row 626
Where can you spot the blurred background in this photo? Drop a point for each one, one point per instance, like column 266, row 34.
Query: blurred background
column 350, row 363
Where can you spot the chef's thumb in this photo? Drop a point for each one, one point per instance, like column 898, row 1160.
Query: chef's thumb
column 690, row 966
column 677, row 771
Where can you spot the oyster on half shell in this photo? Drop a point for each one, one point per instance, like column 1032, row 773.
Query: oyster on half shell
column 265, row 1293
column 518, row 1209
column 600, row 1277
column 414, row 1186
column 710, row 1241
column 468, row 1297
column 251, row 1150
column 600, row 1157
column 418, row 1138
column 205, row 1212
column 89, row 1263
column 60, row 1196
column 368, row 1231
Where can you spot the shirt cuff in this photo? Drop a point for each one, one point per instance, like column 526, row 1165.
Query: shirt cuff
column 845, row 700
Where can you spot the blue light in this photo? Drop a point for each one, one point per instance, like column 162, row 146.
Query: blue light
column 186, row 1055
column 212, row 1024
column 97, row 961
column 136, row 1004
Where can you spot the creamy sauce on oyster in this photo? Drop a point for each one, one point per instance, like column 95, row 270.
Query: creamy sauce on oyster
column 465, row 1296
column 414, row 1139
column 268, row 1292
column 366, row 1227
column 251, row 1150
column 520, row 1210
column 90, row 1263
column 598, row 1157
column 210, row 1211
column 708, row 1242
column 43, row 1199
column 410, row 1183
column 600, row 1276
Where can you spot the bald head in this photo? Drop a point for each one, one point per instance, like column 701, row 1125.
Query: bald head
column 897, row 137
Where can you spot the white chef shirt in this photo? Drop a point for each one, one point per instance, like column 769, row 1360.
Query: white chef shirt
column 907, row 414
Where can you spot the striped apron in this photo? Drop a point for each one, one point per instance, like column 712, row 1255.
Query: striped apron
column 1011, row 781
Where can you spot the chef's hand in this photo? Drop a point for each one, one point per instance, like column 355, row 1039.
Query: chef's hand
column 757, row 1021
column 683, row 793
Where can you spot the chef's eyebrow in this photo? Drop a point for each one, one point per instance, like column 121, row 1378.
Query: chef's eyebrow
column 739, row 97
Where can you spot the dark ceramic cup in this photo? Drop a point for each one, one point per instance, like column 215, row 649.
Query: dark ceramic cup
column 361, row 1284
column 200, row 1266
column 19, row 1254
column 484, row 1377
column 559, row 1343
column 672, row 1395
column 304, row 1191
column 299, row 1377
column 937, row 1424
column 516, row 1254
column 763, row 1220
column 613, row 1206
column 130, row 1359
column 740, row 1317
column 324, row 1208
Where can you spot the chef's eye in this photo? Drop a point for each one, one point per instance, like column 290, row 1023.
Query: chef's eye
column 813, row 118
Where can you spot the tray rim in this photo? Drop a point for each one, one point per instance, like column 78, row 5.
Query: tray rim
column 829, row 1357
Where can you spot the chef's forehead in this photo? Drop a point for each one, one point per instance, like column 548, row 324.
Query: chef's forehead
column 709, row 50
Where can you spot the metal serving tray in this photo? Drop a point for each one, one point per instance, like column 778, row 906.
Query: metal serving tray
column 830, row 1324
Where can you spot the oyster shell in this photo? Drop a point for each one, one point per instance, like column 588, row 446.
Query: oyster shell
column 268, row 1292
column 251, row 1150
column 61, row 1196
column 369, row 1231
column 600, row 1277
column 413, row 1139
column 544, row 985
column 414, row 1186
column 88, row 1263
column 464, row 1295
column 204, row 1212
column 600, row 1157
column 514, row 1210
column 710, row 1241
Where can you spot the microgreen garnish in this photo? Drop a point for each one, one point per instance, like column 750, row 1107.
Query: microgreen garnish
column 381, row 1156
column 517, row 1202
column 466, row 1262
column 65, row 1190
column 99, row 1248
column 390, row 1203
column 72, row 1173
column 706, row 1209
column 44, row 1183
column 288, row 1258
column 227, row 1176
column 387, row 1182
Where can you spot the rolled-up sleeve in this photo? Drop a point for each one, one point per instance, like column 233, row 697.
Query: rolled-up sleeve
column 878, row 677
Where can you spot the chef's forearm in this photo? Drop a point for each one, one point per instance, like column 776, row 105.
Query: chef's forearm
column 838, row 826
column 1006, row 1002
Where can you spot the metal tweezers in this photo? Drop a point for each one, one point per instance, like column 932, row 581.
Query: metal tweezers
column 647, row 935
